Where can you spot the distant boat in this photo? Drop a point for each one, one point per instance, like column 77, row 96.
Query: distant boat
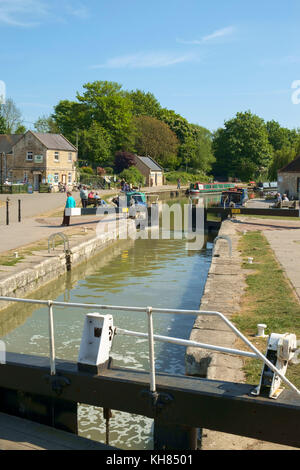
column 202, row 188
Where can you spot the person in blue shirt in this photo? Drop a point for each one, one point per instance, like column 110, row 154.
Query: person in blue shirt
column 71, row 203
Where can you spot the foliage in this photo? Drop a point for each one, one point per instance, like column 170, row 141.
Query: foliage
column 155, row 138
column 144, row 104
column 11, row 115
column 105, row 104
column 2, row 125
column 242, row 148
column 179, row 125
column 95, row 144
column 123, row 161
column 46, row 124
column 185, row 178
column 87, row 170
column 196, row 151
column 281, row 158
column 133, row 176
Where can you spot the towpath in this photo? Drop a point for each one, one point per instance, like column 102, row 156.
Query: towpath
column 36, row 223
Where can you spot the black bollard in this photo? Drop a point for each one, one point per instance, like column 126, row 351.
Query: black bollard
column 7, row 211
column 19, row 210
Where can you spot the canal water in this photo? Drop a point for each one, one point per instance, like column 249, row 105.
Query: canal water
column 161, row 273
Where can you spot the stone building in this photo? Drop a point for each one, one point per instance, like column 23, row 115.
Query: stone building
column 37, row 158
column 153, row 172
column 288, row 179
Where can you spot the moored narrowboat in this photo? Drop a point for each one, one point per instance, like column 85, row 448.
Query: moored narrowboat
column 198, row 188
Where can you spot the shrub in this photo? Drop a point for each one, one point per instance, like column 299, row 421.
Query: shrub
column 173, row 176
column 133, row 176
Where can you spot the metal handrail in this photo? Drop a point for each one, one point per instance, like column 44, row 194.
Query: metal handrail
column 151, row 337
column 63, row 236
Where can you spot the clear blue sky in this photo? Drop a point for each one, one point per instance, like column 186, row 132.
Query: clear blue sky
column 207, row 60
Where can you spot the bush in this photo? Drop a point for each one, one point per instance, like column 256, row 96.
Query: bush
column 132, row 176
column 173, row 176
column 87, row 170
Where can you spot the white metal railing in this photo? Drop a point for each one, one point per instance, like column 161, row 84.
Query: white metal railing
column 151, row 337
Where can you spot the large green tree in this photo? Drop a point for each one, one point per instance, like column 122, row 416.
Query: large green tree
column 95, row 145
column 155, row 138
column 144, row 104
column 242, row 148
column 196, row 152
column 107, row 105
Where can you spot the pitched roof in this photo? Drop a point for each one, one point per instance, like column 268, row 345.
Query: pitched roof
column 292, row 167
column 54, row 141
column 8, row 141
column 150, row 163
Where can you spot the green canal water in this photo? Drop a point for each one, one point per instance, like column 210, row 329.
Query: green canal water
column 160, row 273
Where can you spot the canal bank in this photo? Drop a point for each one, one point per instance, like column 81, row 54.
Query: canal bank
column 224, row 291
column 40, row 266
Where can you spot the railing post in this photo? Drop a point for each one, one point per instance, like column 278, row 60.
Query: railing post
column 51, row 339
column 151, row 351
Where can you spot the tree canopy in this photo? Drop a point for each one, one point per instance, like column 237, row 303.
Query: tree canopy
column 242, row 147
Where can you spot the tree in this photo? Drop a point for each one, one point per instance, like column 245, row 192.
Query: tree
column 144, row 104
column 179, row 125
column 2, row 125
column 281, row 158
column 12, row 116
column 242, row 148
column 46, row 124
column 70, row 118
column 107, row 105
column 196, row 151
column 123, row 161
column 95, row 144
column 156, row 139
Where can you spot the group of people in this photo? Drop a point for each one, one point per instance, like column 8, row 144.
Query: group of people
column 90, row 197
column 85, row 197
column 280, row 198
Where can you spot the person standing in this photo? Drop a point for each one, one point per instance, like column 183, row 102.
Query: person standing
column 71, row 203
column 178, row 183
column 84, row 196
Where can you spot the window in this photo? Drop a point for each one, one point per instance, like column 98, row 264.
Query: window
column 70, row 157
column 29, row 156
column 56, row 177
column 56, row 156
column 69, row 178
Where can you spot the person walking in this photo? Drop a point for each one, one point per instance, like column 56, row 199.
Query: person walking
column 70, row 203
column 84, row 196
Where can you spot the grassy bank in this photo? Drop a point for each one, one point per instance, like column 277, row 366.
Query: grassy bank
column 269, row 299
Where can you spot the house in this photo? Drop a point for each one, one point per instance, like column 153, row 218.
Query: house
column 153, row 172
column 37, row 158
column 289, row 178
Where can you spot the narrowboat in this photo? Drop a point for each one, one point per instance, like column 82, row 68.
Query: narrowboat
column 135, row 201
column 196, row 189
column 236, row 197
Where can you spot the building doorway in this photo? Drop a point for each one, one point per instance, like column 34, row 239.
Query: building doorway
column 36, row 182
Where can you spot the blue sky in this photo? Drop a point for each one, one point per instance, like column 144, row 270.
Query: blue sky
column 207, row 60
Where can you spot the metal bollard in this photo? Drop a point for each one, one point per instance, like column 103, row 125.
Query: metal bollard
column 7, row 211
column 19, row 210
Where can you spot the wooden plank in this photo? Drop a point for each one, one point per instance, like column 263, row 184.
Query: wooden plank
column 20, row 434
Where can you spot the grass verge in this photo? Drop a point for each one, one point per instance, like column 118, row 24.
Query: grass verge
column 269, row 299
